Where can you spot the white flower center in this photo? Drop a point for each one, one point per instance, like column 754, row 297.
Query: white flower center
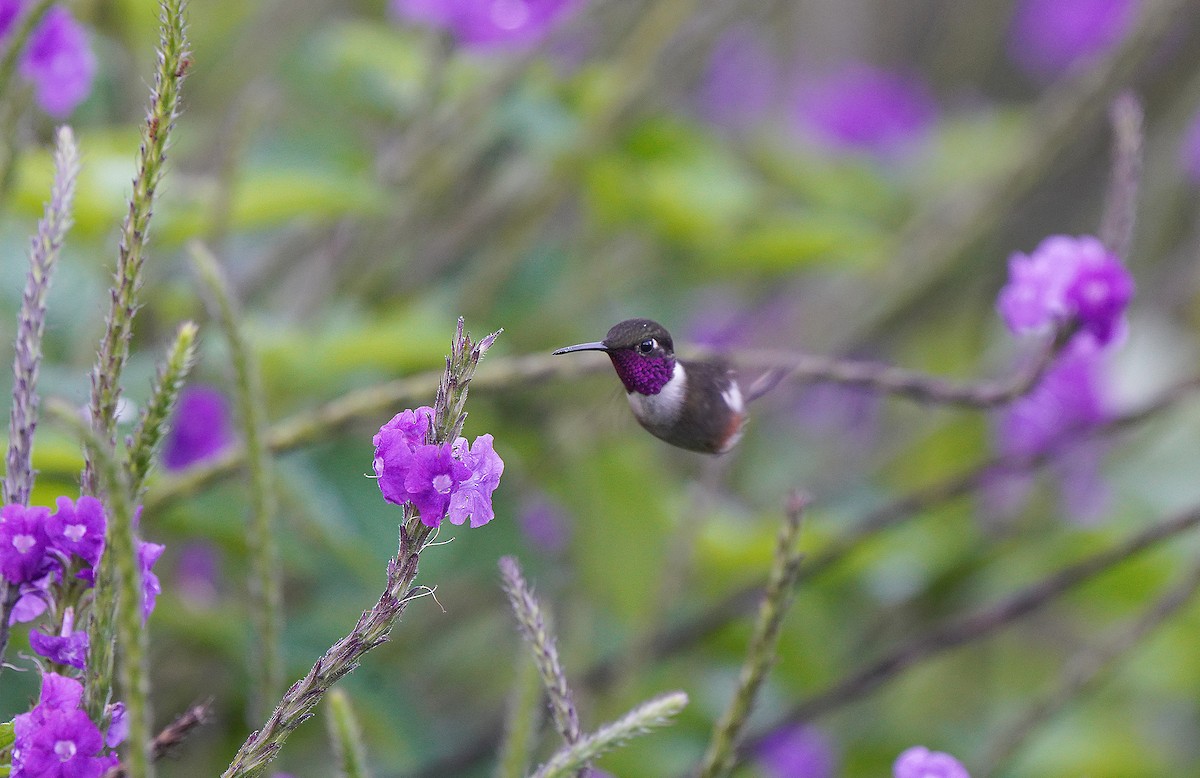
column 65, row 749
column 22, row 543
column 75, row 532
column 442, row 483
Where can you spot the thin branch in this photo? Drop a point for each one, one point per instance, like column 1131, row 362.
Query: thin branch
column 983, row 622
column 1120, row 208
column 1085, row 670
column 911, row 384
column 355, row 407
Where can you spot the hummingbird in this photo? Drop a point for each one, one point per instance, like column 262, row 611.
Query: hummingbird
column 695, row 405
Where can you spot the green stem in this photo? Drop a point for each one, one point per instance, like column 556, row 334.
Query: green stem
column 722, row 749
column 265, row 577
column 153, row 425
column 347, row 737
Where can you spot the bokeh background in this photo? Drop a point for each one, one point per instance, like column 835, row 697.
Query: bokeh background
column 842, row 177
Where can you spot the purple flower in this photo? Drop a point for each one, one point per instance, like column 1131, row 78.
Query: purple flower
column 431, row 477
column 33, row 600
column 118, row 725
column 1066, row 278
column 473, row 497
column 200, row 428
column 741, row 81
column 56, row 739
column 863, row 108
column 23, row 543
column 438, row 480
column 1049, row 37
column 58, row 60
column 197, row 573
column 1189, row 150
column 78, row 528
column 797, row 752
column 920, row 762
column 148, row 554
column 486, row 23
column 70, row 649
column 394, row 446
column 544, row 524
column 66, row 745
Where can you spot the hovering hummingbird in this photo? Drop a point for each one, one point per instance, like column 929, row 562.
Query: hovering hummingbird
column 696, row 405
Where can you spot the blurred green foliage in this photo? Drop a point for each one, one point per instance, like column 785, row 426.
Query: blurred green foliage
column 365, row 183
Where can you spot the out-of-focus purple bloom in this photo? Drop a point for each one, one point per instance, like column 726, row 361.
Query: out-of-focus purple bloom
column 196, row 574
column 486, row 23
column 1069, row 399
column 56, row 739
column 23, row 543
column 741, row 81
column 473, row 498
column 78, row 528
column 68, row 650
column 1065, row 278
column 1189, row 150
column 433, row 475
column 440, row 481
column 9, row 11
column 118, row 725
column 920, row 762
column 866, row 109
column 1049, row 37
column 200, row 428
column 797, row 752
column 545, row 525
column 148, row 554
column 59, row 62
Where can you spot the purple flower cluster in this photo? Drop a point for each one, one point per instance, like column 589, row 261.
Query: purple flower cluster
column 1065, row 282
column 56, row 739
column 57, row 60
column 484, row 24
column 453, row 481
column 1049, row 37
column 1067, row 279
column 40, row 549
column 920, row 762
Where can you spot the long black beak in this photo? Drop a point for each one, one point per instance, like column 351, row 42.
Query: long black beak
column 596, row 345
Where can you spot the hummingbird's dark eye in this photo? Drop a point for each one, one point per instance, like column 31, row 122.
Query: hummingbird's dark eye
column 647, row 345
